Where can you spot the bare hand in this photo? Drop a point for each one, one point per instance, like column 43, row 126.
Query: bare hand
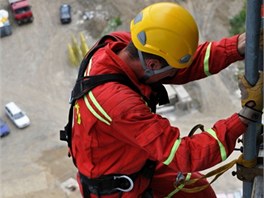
column 241, row 44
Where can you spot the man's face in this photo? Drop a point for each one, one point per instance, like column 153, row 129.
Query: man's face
column 154, row 68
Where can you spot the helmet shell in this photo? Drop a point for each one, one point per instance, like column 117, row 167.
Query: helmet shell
column 168, row 30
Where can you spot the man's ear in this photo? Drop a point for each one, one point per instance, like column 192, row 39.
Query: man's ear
column 153, row 63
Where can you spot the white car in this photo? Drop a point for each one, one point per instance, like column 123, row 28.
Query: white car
column 18, row 117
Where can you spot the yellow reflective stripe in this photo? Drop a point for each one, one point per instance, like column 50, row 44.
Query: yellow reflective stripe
column 99, row 107
column 175, row 191
column 88, row 68
column 221, row 146
column 206, row 60
column 187, row 178
column 173, row 151
column 94, row 112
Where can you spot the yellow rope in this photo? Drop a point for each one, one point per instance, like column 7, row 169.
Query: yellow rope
column 217, row 173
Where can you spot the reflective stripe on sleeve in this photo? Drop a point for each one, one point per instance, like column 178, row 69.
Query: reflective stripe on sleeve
column 108, row 119
column 173, row 151
column 206, row 60
column 221, row 146
column 178, row 188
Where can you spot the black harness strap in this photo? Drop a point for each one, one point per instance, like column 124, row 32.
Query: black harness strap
column 109, row 184
column 85, row 61
column 85, row 84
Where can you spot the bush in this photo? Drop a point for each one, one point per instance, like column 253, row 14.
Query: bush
column 238, row 22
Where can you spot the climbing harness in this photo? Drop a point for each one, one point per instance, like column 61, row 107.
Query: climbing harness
column 115, row 183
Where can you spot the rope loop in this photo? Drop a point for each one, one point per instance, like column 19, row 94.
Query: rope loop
column 216, row 173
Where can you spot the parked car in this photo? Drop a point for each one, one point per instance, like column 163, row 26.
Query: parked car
column 17, row 116
column 5, row 26
column 4, row 128
column 65, row 13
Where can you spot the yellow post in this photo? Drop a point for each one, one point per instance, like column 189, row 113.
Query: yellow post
column 72, row 56
column 74, row 44
column 84, row 46
column 77, row 52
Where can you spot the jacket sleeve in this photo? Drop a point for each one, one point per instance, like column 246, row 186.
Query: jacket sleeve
column 155, row 136
column 146, row 135
column 204, row 150
column 209, row 59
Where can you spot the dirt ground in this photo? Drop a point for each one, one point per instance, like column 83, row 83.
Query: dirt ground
column 36, row 74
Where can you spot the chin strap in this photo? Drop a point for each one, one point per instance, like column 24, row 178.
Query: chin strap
column 148, row 71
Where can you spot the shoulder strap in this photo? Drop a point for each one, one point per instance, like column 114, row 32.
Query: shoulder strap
column 87, row 83
column 88, row 56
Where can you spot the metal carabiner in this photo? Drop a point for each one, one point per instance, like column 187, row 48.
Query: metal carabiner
column 179, row 179
column 130, row 181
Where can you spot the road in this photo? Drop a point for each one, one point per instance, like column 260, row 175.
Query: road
column 35, row 73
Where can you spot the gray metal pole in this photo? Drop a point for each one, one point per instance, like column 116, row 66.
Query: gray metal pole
column 251, row 72
column 260, row 59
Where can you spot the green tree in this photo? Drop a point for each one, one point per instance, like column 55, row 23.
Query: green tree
column 238, row 22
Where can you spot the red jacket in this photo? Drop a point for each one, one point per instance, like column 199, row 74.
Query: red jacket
column 114, row 130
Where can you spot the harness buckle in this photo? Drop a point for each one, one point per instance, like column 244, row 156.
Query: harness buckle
column 128, row 179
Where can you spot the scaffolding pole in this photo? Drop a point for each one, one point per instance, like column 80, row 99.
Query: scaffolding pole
column 252, row 58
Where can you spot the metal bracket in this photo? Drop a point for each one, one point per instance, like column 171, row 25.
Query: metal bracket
column 248, row 174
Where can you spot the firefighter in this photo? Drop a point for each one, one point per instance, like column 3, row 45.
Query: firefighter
column 119, row 145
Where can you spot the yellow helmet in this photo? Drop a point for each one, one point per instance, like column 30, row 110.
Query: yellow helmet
column 167, row 30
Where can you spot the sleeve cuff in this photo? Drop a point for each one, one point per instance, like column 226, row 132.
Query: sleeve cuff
column 235, row 125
